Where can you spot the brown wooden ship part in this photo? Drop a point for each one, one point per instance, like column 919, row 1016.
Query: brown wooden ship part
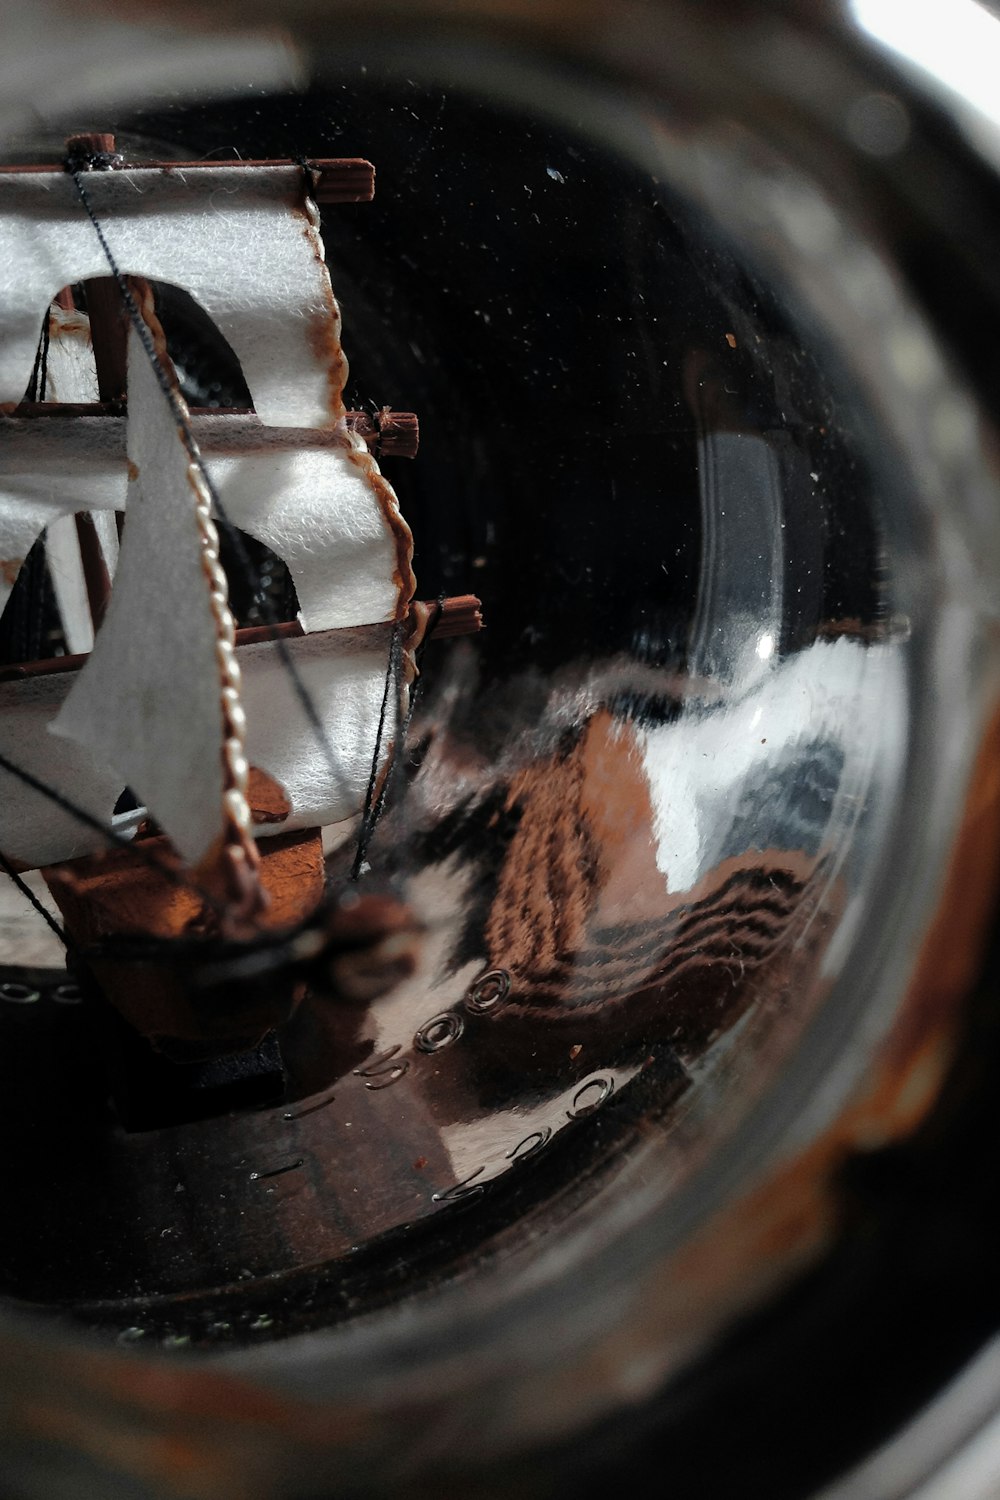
column 334, row 179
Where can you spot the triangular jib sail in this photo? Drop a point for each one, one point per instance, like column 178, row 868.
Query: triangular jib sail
column 148, row 701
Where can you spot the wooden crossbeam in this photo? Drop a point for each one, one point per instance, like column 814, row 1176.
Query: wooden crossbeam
column 461, row 614
column 388, row 433
column 346, row 179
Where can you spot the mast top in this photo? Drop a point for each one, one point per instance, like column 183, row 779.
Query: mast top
column 346, row 179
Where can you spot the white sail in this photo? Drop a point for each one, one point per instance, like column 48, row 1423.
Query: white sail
column 33, row 828
column 240, row 239
column 324, row 778
column 51, row 468
column 315, row 498
column 318, row 501
column 148, row 700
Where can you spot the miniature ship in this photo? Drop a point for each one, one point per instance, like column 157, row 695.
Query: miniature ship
column 213, row 757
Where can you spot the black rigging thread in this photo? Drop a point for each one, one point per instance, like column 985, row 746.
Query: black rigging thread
column 75, row 168
column 75, row 811
column 40, row 369
column 35, row 625
column 373, row 806
column 30, row 896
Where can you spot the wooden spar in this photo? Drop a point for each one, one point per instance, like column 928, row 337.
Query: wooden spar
column 461, row 614
column 108, row 336
column 335, row 179
column 387, row 433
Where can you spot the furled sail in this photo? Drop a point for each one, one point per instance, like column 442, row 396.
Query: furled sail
column 242, row 240
column 70, row 371
column 69, row 374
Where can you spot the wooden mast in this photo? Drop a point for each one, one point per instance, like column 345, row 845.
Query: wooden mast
column 109, row 335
